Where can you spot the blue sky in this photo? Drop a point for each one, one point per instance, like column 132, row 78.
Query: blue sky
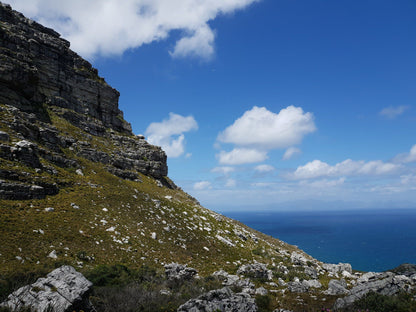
column 270, row 104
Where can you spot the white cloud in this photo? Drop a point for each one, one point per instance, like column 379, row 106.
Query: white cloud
column 110, row 27
column 261, row 128
column 224, row 170
column 239, row 156
column 406, row 157
column 230, row 183
column 392, row 112
column 169, row 133
column 290, row 152
column 264, row 168
column 202, row 185
column 317, row 168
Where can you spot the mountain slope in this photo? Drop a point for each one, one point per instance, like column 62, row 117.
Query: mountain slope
column 78, row 187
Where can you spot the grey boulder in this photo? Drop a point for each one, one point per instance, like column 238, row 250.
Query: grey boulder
column 220, row 300
column 63, row 290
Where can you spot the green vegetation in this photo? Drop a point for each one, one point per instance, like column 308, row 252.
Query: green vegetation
column 375, row 302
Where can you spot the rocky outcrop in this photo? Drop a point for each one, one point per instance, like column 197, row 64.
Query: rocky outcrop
column 41, row 79
column 38, row 68
column 175, row 271
column 63, row 290
column 220, row 300
column 383, row 283
column 256, row 270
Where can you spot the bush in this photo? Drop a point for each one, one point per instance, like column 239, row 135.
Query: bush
column 375, row 302
column 263, row 303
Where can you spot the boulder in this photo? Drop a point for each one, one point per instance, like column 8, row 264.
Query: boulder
column 336, row 287
column 63, row 290
column 175, row 271
column 220, row 300
column 256, row 270
column 337, row 268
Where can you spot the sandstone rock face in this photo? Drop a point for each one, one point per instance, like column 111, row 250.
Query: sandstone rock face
column 220, row 300
column 40, row 78
column 63, row 290
column 38, row 68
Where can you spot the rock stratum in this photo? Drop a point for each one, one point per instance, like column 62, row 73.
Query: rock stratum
column 80, row 192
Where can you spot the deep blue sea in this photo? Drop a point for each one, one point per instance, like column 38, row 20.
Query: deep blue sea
column 371, row 240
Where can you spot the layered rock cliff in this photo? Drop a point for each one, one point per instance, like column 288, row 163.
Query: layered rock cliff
column 42, row 79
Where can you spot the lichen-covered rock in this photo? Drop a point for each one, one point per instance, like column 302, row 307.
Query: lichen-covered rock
column 336, row 287
column 383, row 283
column 175, row 271
column 63, row 290
column 220, row 300
column 337, row 268
column 38, row 67
column 256, row 270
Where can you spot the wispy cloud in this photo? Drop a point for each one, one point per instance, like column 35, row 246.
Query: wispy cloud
column 392, row 112
column 291, row 152
column 202, row 185
column 110, row 27
column 317, row 168
column 259, row 130
column 264, row 168
column 169, row 134
column 224, row 170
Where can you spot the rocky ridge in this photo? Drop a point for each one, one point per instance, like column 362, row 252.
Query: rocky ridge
column 42, row 80
column 77, row 187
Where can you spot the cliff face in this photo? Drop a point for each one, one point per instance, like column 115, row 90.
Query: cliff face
column 38, row 68
column 43, row 86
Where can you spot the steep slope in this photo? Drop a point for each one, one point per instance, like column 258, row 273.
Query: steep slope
column 78, row 187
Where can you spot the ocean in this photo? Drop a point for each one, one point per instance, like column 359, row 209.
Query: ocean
column 371, row 240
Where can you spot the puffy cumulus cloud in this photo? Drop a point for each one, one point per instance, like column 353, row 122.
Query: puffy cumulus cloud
column 110, row 27
column 239, row 156
column 317, row 168
column 406, row 157
column 264, row 168
column 261, row 128
column 202, row 185
column 392, row 112
column 224, row 170
column 291, row 152
column 169, row 133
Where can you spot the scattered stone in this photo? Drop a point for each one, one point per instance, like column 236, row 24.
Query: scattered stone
column 153, row 235
column 63, row 290
column 261, row 291
column 49, row 209
column 220, row 300
column 73, row 205
column 53, row 254
column 79, row 172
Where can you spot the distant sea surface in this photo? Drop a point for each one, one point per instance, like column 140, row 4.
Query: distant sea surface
column 371, row 240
